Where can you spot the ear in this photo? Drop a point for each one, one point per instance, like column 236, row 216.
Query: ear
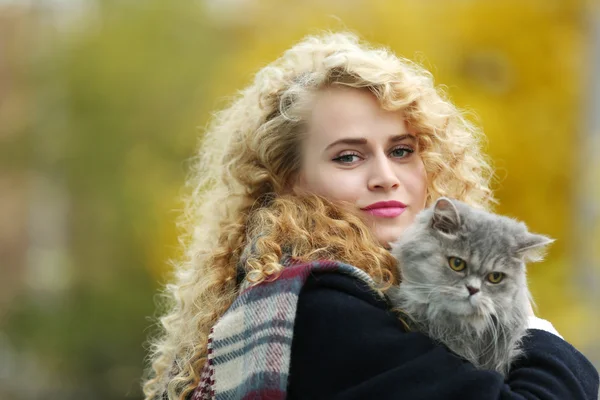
column 445, row 216
column 532, row 247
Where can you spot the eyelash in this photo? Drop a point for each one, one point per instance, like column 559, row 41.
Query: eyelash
column 403, row 148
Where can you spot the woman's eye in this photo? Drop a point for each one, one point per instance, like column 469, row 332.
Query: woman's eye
column 402, row 152
column 457, row 264
column 495, row 277
column 347, row 158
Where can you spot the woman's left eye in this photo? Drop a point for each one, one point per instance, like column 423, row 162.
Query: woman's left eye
column 347, row 158
column 402, row 152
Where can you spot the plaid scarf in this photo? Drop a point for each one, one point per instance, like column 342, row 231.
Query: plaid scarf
column 249, row 347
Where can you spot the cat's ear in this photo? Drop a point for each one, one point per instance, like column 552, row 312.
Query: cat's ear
column 446, row 218
column 532, row 247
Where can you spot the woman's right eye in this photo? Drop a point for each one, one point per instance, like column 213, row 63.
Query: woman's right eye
column 347, row 158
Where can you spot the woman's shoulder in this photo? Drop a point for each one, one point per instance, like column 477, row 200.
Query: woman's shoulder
column 341, row 287
column 348, row 343
column 345, row 309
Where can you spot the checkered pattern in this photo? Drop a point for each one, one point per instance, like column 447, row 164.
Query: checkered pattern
column 249, row 348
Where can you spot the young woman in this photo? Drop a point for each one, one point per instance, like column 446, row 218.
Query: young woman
column 329, row 155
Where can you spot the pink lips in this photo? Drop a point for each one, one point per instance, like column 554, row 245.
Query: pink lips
column 386, row 209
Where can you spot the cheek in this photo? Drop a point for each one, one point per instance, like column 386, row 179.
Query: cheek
column 417, row 181
column 495, row 292
column 332, row 185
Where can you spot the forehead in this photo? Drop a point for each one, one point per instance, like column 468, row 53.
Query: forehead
column 348, row 112
column 488, row 245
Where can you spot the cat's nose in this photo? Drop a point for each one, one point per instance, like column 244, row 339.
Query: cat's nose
column 472, row 290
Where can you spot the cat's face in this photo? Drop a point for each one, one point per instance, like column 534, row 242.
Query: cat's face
column 463, row 280
column 465, row 261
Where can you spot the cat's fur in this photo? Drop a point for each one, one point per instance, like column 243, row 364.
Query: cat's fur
column 485, row 328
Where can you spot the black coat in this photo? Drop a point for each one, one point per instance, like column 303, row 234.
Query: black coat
column 348, row 345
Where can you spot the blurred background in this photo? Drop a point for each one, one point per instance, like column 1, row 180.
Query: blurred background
column 102, row 104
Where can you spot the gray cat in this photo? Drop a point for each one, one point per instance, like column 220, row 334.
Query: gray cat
column 463, row 281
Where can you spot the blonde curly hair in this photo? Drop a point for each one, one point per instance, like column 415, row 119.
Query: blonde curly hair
column 240, row 189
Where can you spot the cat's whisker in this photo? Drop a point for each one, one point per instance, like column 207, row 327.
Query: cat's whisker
column 493, row 328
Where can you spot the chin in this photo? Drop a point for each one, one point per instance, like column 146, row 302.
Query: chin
column 463, row 309
column 388, row 236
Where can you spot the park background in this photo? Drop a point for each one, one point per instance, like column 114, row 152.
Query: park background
column 102, row 104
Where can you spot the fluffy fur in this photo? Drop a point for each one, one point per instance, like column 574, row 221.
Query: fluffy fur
column 481, row 321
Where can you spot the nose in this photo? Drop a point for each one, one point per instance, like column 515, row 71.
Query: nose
column 383, row 176
column 472, row 290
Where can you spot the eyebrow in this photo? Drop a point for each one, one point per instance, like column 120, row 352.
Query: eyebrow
column 363, row 141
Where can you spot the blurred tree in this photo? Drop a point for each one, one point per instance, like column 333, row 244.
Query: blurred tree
column 131, row 85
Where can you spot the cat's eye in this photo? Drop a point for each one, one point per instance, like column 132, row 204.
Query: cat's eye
column 457, row 264
column 495, row 277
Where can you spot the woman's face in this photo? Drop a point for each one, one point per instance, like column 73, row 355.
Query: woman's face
column 359, row 153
